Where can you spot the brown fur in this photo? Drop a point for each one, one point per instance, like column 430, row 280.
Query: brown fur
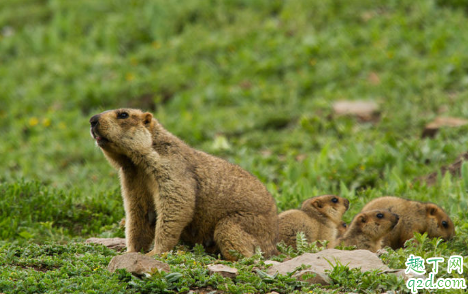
column 368, row 229
column 342, row 228
column 173, row 192
column 414, row 217
column 318, row 218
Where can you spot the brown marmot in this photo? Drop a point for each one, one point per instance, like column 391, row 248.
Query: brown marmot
column 342, row 227
column 414, row 217
column 173, row 192
column 319, row 218
column 367, row 230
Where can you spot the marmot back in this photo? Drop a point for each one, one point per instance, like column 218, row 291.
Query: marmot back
column 415, row 216
column 368, row 229
column 319, row 218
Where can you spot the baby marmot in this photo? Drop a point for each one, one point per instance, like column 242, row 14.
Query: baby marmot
column 342, row 228
column 319, row 218
column 367, row 230
column 414, row 217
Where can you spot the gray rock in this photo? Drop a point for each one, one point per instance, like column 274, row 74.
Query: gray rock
column 363, row 110
column 112, row 243
column 223, row 270
column 319, row 278
column 320, row 262
column 273, row 262
column 137, row 264
column 433, row 127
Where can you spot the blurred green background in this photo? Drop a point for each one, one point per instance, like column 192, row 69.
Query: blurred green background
column 251, row 81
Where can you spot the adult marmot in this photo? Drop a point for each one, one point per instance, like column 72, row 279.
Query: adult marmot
column 173, row 192
column 319, row 218
column 414, row 217
column 367, row 230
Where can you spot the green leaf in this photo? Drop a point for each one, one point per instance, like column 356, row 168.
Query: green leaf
column 173, row 277
column 26, row 235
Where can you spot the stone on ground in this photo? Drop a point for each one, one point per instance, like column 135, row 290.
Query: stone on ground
column 223, row 270
column 320, row 262
column 137, row 264
column 112, row 243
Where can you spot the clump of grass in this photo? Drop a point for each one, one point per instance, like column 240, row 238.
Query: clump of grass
column 36, row 268
column 347, row 279
column 54, row 214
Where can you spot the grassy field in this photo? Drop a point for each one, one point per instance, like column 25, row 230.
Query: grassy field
column 249, row 81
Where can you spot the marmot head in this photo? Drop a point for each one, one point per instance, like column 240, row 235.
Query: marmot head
column 330, row 206
column 375, row 223
column 439, row 223
column 119, row 131
column 342, row 227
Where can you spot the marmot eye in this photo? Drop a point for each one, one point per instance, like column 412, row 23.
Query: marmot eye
column 379, row 215
column 344, row 225
column 445, row 224
column 122, row 115
column 335, row 200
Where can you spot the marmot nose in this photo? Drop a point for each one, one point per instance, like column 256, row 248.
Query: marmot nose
column 94, row 120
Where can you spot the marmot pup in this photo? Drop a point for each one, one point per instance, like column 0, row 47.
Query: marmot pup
column 342, row 227
column 319, row 218
column 172, row 191
column 414, row 217
column 367, row 230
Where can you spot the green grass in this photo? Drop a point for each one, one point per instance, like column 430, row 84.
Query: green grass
column 249, row 81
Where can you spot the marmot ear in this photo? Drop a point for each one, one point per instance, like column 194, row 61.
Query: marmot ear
column 317, row 204
column 362, row 218
column 148, row 120
column 431, row 209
